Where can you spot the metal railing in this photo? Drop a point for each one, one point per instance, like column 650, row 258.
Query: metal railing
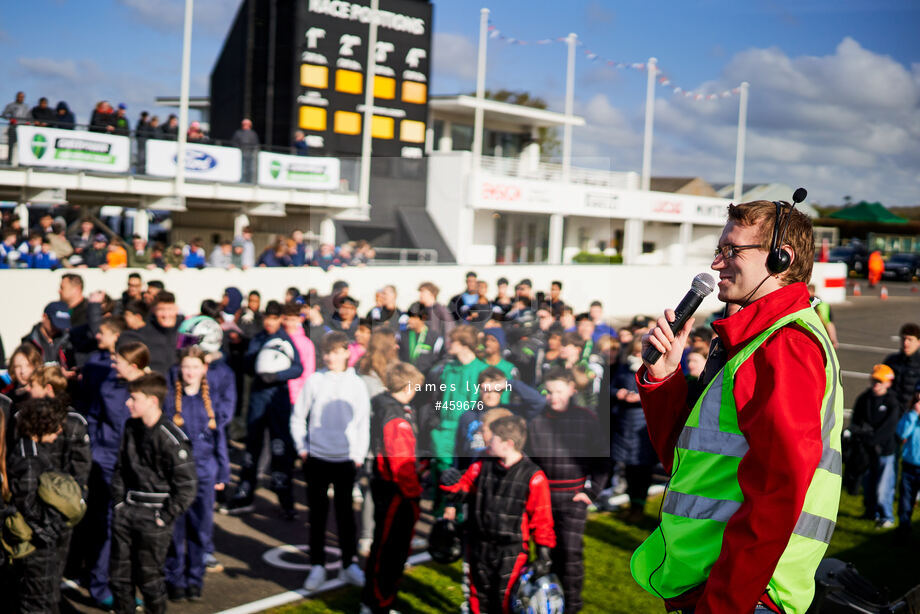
column 348, row 174
column 548, row 171
column 405, row 255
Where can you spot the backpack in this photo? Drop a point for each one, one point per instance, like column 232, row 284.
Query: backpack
column 61, row 492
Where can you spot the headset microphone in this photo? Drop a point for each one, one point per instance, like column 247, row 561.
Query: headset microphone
column 778, row 260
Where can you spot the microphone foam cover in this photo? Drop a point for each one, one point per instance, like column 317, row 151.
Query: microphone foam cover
column 703, row 284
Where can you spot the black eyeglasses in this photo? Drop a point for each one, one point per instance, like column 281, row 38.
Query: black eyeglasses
column 730, row 251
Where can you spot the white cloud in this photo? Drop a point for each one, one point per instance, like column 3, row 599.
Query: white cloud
column 65, row 70
column 844, row 123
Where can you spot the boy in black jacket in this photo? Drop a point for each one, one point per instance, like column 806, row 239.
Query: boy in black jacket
column 269, row 406
column 875, row 417
column 567, row 443
column 154, row 483
column 395, row 486
column 38, row 575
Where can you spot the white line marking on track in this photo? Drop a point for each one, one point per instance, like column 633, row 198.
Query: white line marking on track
column 292, row 596
column 867, row 348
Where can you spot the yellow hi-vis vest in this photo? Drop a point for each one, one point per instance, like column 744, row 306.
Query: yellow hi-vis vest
column 704, row 492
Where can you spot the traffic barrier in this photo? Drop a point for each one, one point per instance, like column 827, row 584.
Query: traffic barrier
column 884, row 293
column 856, row 290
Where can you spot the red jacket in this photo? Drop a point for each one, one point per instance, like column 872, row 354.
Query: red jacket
column 778, row 393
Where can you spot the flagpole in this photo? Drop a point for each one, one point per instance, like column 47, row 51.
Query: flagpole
column 739, row 149
column 649, row 123
column 478, row 119
column 569, row 107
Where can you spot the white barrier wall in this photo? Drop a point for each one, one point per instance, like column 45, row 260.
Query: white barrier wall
column 624, row 290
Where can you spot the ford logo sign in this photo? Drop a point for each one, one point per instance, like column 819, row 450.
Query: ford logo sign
column 199, row 161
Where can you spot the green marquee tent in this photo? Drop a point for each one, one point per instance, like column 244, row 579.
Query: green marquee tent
column 868, row 212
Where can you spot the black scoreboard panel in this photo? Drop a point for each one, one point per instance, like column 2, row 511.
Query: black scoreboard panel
column 332, row 73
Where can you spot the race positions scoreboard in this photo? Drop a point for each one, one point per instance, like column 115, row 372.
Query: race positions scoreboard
column 332, row 74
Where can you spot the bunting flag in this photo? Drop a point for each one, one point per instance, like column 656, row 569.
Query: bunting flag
column 663, row 80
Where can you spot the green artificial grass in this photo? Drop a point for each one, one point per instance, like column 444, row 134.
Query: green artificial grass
column 609, row 542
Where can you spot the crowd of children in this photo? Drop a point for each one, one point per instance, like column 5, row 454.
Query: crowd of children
column 512, row 414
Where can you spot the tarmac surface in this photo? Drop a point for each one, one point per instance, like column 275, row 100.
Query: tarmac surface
column 256, row 549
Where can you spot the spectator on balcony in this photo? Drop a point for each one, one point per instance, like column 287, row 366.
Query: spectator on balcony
column 146, row 129
column 170, row 130
column 17, row 112
column 58, row 240
column 248, row 141
column 346, row 254
column 120, row 121
column 299, row 251
column 275, row 255
column 18, row 109
column 45, row 258
column 222, row 256
column 195, row 134
column 42, row 114
column 64, row 118
column 158, row 255
column 326, row 258
column 116, row 256
column 236, row 257
column 193, row 254
column 248, row 257
column 363, row 255
column 83, row 240
column 103, row 118
column 300, row 144
column 45, row 223
column 9, row 255
column 140, row 256
column 96, row 256
column 143, row 123
column 174, row 258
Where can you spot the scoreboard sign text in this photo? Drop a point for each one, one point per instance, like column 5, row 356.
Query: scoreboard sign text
column 333, row 73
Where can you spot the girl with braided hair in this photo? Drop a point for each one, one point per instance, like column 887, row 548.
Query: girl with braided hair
column 191, row 408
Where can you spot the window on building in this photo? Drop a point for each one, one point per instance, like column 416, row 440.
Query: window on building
column 648, row 247
column 462, row 137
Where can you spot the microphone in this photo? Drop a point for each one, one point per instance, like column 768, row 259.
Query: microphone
column 702, row 286
column 799, row 195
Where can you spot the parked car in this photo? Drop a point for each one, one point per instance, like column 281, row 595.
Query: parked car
column 854, row 255
column 902, row 266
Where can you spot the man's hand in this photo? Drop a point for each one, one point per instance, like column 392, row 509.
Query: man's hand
column 303, row 456
column 672, row 348
column 220, row 486
column 450, row 513
column 583, row 498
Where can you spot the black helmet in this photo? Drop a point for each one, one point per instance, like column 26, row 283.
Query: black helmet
column 444, row 544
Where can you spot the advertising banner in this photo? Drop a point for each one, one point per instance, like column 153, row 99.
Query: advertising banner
column 303, row 172
column 76, row 149
column 201, row 161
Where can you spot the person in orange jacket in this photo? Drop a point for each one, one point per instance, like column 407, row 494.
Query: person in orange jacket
column 876, row 268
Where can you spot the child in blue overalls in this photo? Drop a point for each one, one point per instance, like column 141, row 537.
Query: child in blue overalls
column 106, row 416
column 203, row 420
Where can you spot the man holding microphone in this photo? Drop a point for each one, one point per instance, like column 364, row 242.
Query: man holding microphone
column 754, row 451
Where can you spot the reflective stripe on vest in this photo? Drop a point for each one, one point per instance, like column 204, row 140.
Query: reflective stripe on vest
column 704, row 493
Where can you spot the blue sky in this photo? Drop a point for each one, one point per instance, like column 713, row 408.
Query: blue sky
column 835, row 84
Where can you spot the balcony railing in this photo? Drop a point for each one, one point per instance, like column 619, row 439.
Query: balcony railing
column 140, row 163
column 546, row 171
